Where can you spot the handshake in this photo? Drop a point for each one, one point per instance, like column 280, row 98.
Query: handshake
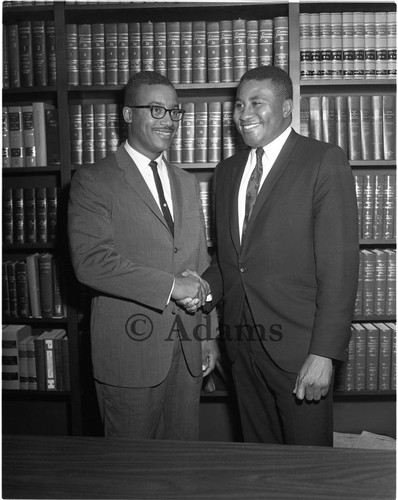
column 190, row 291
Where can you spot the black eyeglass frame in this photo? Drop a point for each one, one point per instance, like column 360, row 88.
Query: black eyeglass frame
column 152, row 106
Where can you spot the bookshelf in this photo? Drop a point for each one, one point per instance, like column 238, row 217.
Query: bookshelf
column 75, row 89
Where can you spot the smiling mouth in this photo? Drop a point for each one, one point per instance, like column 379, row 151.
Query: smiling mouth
column 250, row 126
column 164, row 132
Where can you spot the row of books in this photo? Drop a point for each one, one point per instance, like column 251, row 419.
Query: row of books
column 29, row 215
column 29, row 58
column 371, row 363
column 185, row 52
column 376, row 293
column 34, row 361
column 30, row 135
column 348, row 45
column 363, row 125
column 376, row 195
column 31, row 287
column 207, row 132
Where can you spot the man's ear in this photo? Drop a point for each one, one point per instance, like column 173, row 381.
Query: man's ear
column 287, row 108
column 127, row 114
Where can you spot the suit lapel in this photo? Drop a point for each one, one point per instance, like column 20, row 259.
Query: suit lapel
column 176, row 196
column 272, row 178
column 137, row 183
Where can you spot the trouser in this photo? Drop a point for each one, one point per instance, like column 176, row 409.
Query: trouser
column 170, row 410
column 269, row 411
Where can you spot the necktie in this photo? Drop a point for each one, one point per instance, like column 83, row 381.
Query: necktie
column 252, row 188
column 165, row 209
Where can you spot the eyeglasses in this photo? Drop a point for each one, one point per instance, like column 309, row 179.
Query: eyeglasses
column 159, row 112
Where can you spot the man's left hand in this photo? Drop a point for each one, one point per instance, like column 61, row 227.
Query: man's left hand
column 210, row 355
column 313, row 380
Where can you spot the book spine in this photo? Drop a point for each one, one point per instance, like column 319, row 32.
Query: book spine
column 239, row 48
column 147, row 46
column 14, row 56
column 381, row 45
column 393, row 326
column 370, row 45
column 325, row 33
column 51, row 53
column 378, row 212
column 215, row 126
column 201, row 132
column 39, row 124
column 112, row 128
column 354, row 127
column 57, row 289
column 368, row 206
column 188, row 133
column 391, row 282
column 134, row 48
column 377, row 127
column 306, row 67
column 380, row 282
column 88, row 133
column 76, row 133
column 199, row 52
column 385, row 359
column 18, row 215
column 252, row 43
column 389, row 127
column 389, row 208
column 186, row 40
column 28, row 136
column 111, row 66
column 12, row 288
column 46, row 285
column 52, row 136
column 40, row 364
column 160, row 40
column 5, row 292
column 226, row 52
column 228, row 129
column 348, row 45
column 304, row 116
column 41, row 214
column 173, row 30
column 281, row 43
column 6, row 139
column 360, row 359
column 52, row 212
column 26, row 53
column 315, row 118
column 328, row 119
column 30, row 215
column 391, row 45
column 213, row 52
column 21, row 277
column 72, row 54
column 176, row 147
column 65, row 364
column 8, row 217
column 16, row 136
column 32, row 365
column 49, row 362
column 369, row 270
column 372, row 357
column 85, row 54
column 122, row 53
column 98, row 53
column 315, row 47
column 32, row 268
column 6, row 62
column 99, row 111
column 39, row 48
column 365, row 121
column 23, row 368
column 337, row 45
column 359, row 45
column 358, row 309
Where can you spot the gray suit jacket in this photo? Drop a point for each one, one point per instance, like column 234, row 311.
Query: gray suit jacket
column 122, row 248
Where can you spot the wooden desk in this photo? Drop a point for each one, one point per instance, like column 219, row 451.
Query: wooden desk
column 83, row 467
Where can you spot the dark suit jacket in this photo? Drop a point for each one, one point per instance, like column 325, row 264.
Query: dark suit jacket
column 122, row 248
column 298, row 263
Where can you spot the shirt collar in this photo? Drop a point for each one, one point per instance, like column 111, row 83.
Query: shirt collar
column 273, row 149
column 139, row 158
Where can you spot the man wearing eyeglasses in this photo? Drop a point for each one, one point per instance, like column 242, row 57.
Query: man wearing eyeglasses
column 135, row 226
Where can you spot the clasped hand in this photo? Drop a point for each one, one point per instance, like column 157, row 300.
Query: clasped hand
column 190, row 290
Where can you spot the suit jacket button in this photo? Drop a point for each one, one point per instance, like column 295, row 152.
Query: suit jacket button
column 243, row 269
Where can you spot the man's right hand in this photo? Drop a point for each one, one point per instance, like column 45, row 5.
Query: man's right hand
column 189, row 286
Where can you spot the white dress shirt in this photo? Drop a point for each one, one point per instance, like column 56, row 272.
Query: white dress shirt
column 271, row 152
column 142, row 163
